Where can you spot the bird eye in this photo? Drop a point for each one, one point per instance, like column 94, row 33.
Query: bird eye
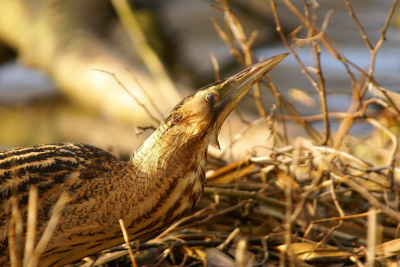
column 211, row 97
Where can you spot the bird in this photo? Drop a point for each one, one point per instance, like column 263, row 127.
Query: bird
column 162, row 181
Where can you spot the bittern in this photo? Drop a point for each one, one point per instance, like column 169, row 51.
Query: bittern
column 162, row 181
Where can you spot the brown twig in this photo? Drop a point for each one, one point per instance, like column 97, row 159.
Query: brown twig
column 314, row 134
column 127, row 243
column 144, row 51
column 235, row 28
column 156, row 108
column 243, row 194
column 368, row 196
column 157, row 121
column 359, row 26
column 15, row 232
column 213, row 206
column 216, row 67
column 48, row 232
column 31, row 224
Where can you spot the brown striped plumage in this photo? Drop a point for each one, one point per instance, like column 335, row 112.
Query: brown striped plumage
column 162, row 181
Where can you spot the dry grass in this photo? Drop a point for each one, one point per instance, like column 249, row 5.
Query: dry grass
column 315, row 201
column 32, row 253
column 318, row 200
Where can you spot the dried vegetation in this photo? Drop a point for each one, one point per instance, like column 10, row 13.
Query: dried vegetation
column 316, row 200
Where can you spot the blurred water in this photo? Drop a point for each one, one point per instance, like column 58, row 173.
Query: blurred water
column 20, row 83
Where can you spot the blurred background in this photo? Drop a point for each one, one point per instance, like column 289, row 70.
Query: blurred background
column 58, row 58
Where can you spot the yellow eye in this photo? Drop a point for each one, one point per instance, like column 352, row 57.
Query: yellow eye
column 212, row 97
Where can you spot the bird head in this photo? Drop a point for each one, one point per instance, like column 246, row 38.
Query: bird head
column 202, row 114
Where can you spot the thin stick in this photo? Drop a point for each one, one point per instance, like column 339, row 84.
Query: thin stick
column 127, row 243
column 392, row 137
column 244, row 194
column 321, row 82
column 14, row 232
column 245, row 45
column 341, row 213
column 369, row 197
column 216, row 66
column 378, row 45
column 146, row 94
column 48, row 232
column 219, row 213
column 224, row 37
column 213, row 206
column 144, row 50
column 31, row 227
column 230, row 238
column 313, row 133
column 241, row 254
column 347, row 217
column 132, row 95
column 372, row 232
column 359, row 26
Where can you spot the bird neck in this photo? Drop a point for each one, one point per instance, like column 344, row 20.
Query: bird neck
column 166, row 179
column 171, row 152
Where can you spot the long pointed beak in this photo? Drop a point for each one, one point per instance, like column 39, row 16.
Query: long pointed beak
column 231, row 91
column 235, row 88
